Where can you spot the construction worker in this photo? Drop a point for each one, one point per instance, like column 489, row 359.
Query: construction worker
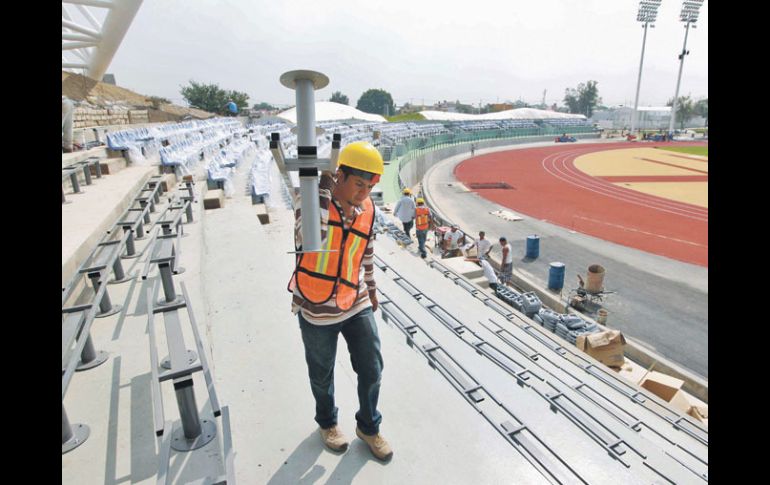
column 334, row 292
column 423, row 221
column 404, row 210
column 506, row 264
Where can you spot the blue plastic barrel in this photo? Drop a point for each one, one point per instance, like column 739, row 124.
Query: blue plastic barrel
column 556, row 276
column 533, row 246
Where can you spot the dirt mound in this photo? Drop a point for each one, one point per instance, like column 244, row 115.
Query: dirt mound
column 82, row 88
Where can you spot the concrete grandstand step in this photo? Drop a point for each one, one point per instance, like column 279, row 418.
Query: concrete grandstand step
column 74, row 157
column 462, row 267
column 92, row 213
column 214, row 199
column 112, row 165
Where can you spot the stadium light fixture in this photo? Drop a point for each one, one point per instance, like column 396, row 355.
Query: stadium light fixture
column 648, row 12
column 688, row 15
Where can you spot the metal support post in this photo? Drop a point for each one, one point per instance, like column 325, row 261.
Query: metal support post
column 194, row 433
column 87, row 173
column 105, row 305
column 120, row 275
column 130, row 246
column 71, row 436
column 89, row 357
column 74, row 182
column 143, row 204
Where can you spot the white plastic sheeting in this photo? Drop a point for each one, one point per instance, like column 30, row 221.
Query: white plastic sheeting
column 326, row 110
column 511, row 114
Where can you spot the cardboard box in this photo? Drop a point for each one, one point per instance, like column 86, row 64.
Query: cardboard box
column 701, row 413
column 662, row 385
column 691, row 405
column 681, row 402
column 631, row 371
column 606, row 347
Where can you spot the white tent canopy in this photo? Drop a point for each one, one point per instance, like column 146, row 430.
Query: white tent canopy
column 327, row 111
column 511, row 114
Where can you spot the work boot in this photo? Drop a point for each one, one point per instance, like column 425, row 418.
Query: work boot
column 377, row 444
column 334, row 439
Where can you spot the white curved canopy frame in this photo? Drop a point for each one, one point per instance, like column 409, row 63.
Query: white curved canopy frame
column 88, row 45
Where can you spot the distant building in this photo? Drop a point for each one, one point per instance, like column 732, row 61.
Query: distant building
column 497, row 107
column 109, row 79
column 447, row 107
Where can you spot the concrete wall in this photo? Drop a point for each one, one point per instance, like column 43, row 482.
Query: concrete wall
column 87, row 117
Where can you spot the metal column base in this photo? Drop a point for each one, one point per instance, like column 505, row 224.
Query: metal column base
column 101, row 358
column 127, row 277
column 208, row 433
column 132, row 256
column 176, row 301
column 80, row 434
column 191, row 357
column 115, row 309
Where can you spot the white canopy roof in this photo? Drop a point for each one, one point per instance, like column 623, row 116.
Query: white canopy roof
column 511, row 114
column 327, row 111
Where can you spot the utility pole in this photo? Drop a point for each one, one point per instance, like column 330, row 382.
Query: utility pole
column 648, row 12
column 689, row 15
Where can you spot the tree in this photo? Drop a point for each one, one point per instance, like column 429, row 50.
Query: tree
column 571, row 100
column 702, row 109
column 584, row 99
column 376, row 101
column 338, row 97
column 211, row 98
column 263, row 106
column 685, row 109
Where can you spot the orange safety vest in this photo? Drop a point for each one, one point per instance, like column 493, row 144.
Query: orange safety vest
column 318, row 275
column 422, row 218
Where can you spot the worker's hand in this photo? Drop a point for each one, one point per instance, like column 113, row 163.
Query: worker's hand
column 373, row 299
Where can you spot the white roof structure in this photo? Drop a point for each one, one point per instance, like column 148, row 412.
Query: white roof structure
column 327, row 111
column 89, row 37
column 511, row 114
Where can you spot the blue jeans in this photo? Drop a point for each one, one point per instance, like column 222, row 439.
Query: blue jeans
column 360, row 333
column 408, row 226
column 421, row 236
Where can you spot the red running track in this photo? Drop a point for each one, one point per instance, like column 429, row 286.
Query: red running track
column 547, row 185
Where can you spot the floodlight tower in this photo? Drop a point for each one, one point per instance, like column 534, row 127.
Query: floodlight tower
column 307, row 163
column 689, row 15
column 648, row 12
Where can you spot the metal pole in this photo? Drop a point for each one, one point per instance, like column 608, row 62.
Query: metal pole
column 678, row 80
column 168, row 283
column 66, row 429
column 188, row 409
column 308, row 177
column 130, row 247
column 305, row 113
column 311, row 217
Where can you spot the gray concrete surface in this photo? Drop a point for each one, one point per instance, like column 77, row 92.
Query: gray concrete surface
column 236, row 272
column 661, row 303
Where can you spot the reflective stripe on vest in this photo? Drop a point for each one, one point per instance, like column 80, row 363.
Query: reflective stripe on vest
column 422, row 217
column 318, row 275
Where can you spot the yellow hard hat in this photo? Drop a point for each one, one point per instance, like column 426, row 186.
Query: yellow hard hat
column 362, row 155
column 420, row 200
column 407, row 191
